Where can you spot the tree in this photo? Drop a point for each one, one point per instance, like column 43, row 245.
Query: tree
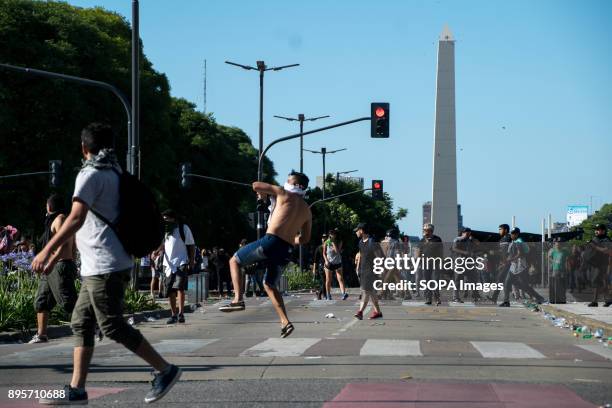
column 603, row 216
column 41, row 120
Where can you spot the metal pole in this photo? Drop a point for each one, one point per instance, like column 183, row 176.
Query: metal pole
column 513, row 221
column 542, row 249
column 301, row 119
column 549, row 226
column 323, row 153
column 135, row 146
column 83, row 81
column 260, row 215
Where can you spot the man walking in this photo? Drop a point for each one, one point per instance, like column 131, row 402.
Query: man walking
column 58, row 286
column 601, row 247
column 368, row 250
column 318, row 266
column 179, row 260
column 463, row 247
column 290, row 224
column 105, row 269
column 430, row 247
column 502, row 259
column 517, row 274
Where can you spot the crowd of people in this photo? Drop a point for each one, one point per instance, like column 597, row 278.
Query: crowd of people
column 255, row 268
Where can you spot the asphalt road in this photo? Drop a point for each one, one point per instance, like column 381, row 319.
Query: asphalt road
column 452, row 356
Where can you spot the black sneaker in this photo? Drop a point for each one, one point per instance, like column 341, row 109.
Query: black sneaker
column 162, row 383
column 232, row 307
column 172, row 320
column 428, row 303
column 608, row 303
column 504, row 304
column 593, row 304
column 181, row 318
column 68, row 396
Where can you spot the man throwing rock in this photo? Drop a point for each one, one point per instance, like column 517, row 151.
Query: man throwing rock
column 290, row 224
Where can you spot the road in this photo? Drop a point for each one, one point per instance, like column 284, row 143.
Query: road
column 416, row 356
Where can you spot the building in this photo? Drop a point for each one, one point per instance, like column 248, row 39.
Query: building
column 444, row 210
column 427, row 215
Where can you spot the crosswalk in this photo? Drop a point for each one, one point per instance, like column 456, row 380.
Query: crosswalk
column 323, row 347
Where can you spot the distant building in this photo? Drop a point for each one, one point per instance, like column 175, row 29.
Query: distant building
column 560, row 227
column 427, row 214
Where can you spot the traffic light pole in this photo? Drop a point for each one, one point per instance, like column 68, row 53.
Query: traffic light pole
column 88, row 82
column 338, row 196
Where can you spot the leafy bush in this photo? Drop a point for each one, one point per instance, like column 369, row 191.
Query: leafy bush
column 297, row 279
column 18, row 292
column 139, row 302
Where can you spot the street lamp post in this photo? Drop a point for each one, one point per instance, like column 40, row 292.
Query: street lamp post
column 301, row 118
column 324, row 152
column 262, row 68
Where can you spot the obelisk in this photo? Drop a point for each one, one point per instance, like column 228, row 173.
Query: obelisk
column 444, row 196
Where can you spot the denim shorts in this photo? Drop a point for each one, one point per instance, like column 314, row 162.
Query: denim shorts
column 271, row 251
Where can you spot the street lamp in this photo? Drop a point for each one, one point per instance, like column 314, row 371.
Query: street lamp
column 262, row 68
column 324, row 153
column 301, row 118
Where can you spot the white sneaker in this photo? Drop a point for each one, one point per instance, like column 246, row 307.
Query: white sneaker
column 38, row 339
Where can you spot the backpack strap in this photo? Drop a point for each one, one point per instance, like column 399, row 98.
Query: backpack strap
column 182, row 231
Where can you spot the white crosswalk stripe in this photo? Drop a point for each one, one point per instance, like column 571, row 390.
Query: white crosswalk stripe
column 321, row 303
column 177, row 346
column 381, row 347
column 277, row 347
column 63, row 349
column 597, row 349
column 504, row 349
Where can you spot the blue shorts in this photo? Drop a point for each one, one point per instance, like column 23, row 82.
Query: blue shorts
column 271, row 251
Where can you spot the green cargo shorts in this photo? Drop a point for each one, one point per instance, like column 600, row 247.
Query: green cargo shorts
column 57, row 288
column 101, row 300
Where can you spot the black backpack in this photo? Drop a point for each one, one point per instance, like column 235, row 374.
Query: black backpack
column 140, row 226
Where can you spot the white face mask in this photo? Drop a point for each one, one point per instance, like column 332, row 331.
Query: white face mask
column 294, row 189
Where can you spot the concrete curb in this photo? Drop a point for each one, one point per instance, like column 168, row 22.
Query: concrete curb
column 64, row 330
column 574, row 318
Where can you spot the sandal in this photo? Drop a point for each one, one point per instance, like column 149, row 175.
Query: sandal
column 287, row 330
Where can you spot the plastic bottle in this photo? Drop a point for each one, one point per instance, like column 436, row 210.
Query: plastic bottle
column 598, row 333
column 586, row 332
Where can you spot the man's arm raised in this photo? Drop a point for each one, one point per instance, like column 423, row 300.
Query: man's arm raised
column 73, row 223
column 267, row 189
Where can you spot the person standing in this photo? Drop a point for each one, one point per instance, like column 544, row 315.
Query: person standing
column 502, row 259
column 179, row 260
column 58, row 286
column 430, row 247
column 517, row 274
column 368, row 250
column 157, row 267
column 332, row 255
column 601, row 247
column 463, row 247
column 557, row 259
column 221, row 262
column 105, row 270
column 318, row 269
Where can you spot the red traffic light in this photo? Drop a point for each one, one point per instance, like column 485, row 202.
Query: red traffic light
column 380, row 112
column 377, row 186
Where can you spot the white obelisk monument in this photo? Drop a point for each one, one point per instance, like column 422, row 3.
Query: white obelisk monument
column 444, row 214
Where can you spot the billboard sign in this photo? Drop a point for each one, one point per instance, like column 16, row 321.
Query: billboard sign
column 576, row 214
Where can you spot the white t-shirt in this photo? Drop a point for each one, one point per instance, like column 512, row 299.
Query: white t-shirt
column 175, row 250
column 100, row 248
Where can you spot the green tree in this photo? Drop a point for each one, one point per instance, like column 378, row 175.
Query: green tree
column 41, row 119
column 603, row 216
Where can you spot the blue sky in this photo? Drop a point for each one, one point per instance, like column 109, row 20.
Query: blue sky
column 541, row 69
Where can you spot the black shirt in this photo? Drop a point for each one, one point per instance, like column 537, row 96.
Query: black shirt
column 431, row 247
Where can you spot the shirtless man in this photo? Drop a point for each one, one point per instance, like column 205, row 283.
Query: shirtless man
column 290, row 224
column 58, row 285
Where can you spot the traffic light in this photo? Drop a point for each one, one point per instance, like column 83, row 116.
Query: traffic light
column 377, row 189
column 55, row 173
column 379, row 117
column 185, row 171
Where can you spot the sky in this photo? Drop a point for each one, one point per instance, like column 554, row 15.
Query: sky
column 533, row 100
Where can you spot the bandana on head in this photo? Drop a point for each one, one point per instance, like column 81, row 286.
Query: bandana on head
column 292, row 188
